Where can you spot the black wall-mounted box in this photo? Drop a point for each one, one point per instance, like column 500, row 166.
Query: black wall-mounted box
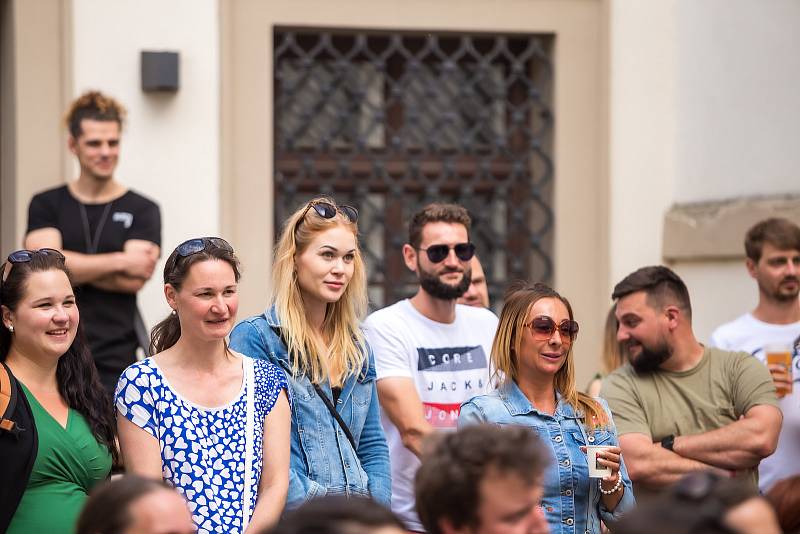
column 160, row 71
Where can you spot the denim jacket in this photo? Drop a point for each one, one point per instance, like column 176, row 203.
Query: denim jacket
column 322, row 459
column 571, row 499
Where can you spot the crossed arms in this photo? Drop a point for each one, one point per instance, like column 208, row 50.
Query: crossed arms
column 123, row 272
column 739, row 445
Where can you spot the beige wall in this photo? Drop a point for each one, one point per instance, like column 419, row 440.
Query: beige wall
column 642, row 131
column 170, row 147
column 580, row 134
column 703, row 107
column 33, row 34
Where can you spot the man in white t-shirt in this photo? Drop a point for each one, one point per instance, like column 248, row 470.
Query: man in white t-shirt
column 431, row 354
column 773, row 260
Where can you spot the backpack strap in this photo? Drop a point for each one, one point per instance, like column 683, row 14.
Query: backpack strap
column 8, row 401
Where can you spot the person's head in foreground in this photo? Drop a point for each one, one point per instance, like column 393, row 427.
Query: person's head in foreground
column 338, row 514
column 703, row 503
column 654, row 314
column 135, row 505
column 482, row 479
column 785, row 498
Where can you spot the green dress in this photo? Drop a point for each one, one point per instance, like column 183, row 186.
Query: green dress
column 68, row 463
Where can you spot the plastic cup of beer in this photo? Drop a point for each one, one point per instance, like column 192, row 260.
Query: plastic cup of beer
column 780, row 355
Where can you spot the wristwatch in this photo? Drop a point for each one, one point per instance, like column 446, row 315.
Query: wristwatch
column 668, row 442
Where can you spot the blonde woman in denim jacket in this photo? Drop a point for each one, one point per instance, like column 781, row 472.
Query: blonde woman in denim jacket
column 312, row 331
column 532, row 357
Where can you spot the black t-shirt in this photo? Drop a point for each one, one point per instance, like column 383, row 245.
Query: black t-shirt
column 107, row 317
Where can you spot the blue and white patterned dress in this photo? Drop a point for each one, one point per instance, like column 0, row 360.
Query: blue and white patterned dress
column 205, row 452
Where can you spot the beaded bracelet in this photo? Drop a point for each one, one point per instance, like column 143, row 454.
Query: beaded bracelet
column 616, row 488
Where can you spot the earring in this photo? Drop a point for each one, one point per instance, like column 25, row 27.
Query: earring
column 174, row 311
column 11, row 328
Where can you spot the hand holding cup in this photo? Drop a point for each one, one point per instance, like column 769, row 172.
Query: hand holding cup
column 779, row 363
column 604, row 462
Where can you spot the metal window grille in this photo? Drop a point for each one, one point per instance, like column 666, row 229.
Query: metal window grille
column 390, row 121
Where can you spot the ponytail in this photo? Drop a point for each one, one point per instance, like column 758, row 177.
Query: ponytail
column 165, row 334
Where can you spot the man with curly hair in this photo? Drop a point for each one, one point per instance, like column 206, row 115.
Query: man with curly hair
column 482, row 479
column 110, row 235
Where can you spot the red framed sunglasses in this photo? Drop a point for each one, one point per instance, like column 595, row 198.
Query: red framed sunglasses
column 543, row 327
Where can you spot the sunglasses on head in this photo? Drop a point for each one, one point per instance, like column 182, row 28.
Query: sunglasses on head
column 438, row 253
column 199, row 244
column 544, row 326
column 326, row 210
column 25, row 255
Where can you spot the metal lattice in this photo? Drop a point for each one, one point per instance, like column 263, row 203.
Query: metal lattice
column 389, row 121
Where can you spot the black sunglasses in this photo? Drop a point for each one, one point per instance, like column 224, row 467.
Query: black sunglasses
column 199, row 244
column 544, row 326
column 25, row 255
column 326, row 210
column 438, row 253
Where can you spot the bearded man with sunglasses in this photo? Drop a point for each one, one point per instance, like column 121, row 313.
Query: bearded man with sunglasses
column 679, row 406
column 109, row 234
column 431, row 354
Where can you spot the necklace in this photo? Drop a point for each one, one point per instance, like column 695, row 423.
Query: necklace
column 91, row 243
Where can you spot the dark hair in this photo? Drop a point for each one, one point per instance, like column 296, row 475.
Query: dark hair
column 785, row 498
column 93, row 105
column 76, row 375
column 436, row 212
column 107, row 510
column 166, row 333
column 696, row 504
column 337, row 514
column 782, row 234
column 660, row 283
column 448, row 482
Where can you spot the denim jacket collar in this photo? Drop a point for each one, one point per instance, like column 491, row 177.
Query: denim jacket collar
column 518, row 404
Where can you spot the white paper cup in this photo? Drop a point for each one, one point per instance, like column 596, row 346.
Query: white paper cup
column 596, row 470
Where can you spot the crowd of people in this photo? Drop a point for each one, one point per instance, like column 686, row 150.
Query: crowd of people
column 429, row 415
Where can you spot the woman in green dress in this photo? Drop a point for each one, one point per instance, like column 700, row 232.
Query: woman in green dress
column 55, row 379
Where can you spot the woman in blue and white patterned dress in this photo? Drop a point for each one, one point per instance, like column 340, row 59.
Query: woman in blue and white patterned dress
column 205, row 419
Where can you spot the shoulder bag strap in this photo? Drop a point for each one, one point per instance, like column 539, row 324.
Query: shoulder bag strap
column 8, row 400
column 249, row 439
column 325, row 399
column 336, row 415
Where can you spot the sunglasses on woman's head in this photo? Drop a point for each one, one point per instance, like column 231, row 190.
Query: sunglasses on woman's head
column 25, row 255
column 544, row 326
column 199, row 244
column 326, row 210
column 438, row 253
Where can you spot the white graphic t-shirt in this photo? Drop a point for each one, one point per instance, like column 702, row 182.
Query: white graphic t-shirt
column 751, row 335
column 449, row 364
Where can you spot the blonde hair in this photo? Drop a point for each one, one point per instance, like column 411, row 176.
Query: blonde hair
column 508, row 344
column 346, row 347
column 613, row 355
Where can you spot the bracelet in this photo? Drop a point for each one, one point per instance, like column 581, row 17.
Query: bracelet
column 616, row 488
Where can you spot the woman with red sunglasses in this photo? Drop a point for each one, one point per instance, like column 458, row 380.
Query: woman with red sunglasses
column 535, row 370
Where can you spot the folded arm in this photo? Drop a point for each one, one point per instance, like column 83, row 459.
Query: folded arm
column 125, row 271
column 651, row 465
column 739, row 445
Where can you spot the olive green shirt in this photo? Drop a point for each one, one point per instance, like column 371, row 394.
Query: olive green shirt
column 715, row 393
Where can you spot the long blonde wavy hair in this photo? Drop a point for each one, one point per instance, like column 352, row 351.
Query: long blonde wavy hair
column 508, row 344
column 344, row 354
